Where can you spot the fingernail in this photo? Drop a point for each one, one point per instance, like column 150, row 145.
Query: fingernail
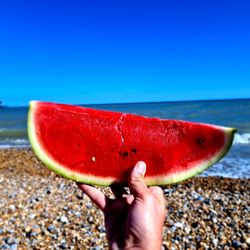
column 141, row 168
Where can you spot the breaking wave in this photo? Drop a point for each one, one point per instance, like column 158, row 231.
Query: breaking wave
column 14, row 143
column 242, row 138
column 230, row 167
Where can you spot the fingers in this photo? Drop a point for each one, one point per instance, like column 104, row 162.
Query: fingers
column 158, row 194
column 136, row 181
column 118, row 190
column 95, row 195
column 156, row 191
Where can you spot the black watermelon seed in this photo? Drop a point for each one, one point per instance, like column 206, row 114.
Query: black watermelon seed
column 125, row 153
column 200, row 140
column 134, row 150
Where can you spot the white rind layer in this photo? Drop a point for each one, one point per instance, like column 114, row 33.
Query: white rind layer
column 106, row 181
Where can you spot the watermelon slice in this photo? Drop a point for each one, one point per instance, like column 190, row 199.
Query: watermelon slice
column 101, row 147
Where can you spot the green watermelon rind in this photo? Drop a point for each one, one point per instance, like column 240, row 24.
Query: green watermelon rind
column 107, row 181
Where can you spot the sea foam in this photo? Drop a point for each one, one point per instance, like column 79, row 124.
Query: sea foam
column 242, row 138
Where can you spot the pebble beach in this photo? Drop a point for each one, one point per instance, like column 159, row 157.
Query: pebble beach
column 40, row 210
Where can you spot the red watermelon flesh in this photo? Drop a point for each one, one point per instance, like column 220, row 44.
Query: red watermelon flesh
column 101, row 147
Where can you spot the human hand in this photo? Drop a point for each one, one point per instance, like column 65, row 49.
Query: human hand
column 132, row 221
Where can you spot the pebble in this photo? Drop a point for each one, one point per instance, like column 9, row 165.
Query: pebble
column 47, row 190
column 62, row 186
column 63, row 246
column 89, row 205
column 27, row 229
column 236, row 244
column 214, row 220
column 64, row 219
column 101, row 229
column 13, row 247
column 248, row 240
column 10, row 231
column 52, row 229
column 63, row 241
column 79, row 196
column 5, row 246
column 96, row 248
column 54, row 237
column 194, row 194
column 168, row 191
column 32, row 216
column 89, row 233
column 179, row 225
column 77, row 214
column 12, row 208
column 11, row 241
column 215, row 242
column 91, row 219
column 244, row 246
column 187, row 229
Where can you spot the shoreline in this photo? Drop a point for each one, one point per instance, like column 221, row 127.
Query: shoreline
column 40, row 210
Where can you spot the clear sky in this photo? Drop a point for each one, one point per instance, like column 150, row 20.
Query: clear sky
column 123, row 51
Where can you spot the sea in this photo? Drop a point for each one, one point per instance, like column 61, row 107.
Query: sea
column 230, row 113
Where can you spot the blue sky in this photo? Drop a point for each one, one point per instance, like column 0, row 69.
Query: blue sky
column 123, row 51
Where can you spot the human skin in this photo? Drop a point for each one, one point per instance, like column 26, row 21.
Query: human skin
column 135, row 220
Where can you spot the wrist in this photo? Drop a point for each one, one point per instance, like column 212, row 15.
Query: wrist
column 156, row 245
column 144, row 247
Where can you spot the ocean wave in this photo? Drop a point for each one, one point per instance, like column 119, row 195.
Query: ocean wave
column 14, row 143
column 230, row 167
column 242, row 138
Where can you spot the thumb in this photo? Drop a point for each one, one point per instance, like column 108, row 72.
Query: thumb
column 136, row 180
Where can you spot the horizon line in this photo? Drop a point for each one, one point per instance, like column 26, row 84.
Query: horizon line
column 142, row 102
column 152, row 102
